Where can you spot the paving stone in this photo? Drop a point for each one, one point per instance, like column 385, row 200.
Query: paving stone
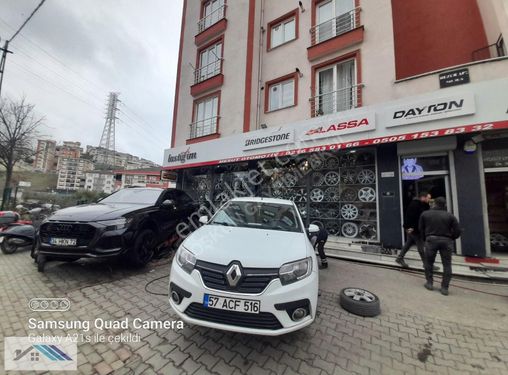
column 337, row 343
column 103, row 368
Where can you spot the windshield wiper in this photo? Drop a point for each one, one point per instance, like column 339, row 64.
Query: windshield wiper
column 223, row 223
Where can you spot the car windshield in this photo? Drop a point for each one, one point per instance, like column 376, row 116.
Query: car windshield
column 261, row 215
column 134, row 196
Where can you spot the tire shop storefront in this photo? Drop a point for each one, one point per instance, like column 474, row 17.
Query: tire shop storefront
column 354, row 172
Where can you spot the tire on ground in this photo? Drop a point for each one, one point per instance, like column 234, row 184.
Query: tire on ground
column 360, row 307
column 137, row 256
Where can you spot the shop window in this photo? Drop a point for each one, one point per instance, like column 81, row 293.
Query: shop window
column 282, row 32
column 209, row 63
column 335, row 190
column 334, row 17
column 281, row 95
column 495, row 162
column 213, row 11
column 337, row 89
column 205, row 117
column 213, row 187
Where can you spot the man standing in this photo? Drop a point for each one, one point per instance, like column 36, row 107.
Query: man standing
column 413, row 212
column 439, row 229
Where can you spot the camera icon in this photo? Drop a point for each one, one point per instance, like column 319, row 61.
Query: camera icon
column 49, row 304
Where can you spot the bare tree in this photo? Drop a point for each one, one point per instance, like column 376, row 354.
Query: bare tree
column 18, row 131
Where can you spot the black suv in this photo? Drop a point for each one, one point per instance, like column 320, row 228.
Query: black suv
column 131, row 223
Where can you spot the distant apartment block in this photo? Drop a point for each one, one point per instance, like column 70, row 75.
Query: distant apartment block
column 45, row 156
column 72, row 173
column 150, row 177
column 110, row 181
column 100, row 181
column 104, row 156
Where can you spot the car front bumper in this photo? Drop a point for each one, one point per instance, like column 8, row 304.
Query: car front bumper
column 274, row 294
column 102, row 244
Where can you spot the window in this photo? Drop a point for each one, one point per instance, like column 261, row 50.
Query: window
column 281, row 95
column 336, row 88
column 213, row 12
column 210, row 63
column 205, row 117
column 334, row 17
column 283, row 32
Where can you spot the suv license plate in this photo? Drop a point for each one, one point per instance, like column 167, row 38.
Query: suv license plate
column 63, row 241
column 231, row 304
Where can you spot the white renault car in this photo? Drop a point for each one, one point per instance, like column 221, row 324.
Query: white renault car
column 251, row 268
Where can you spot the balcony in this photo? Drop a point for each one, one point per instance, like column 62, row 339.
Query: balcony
column 491, row 51
column 207, row 77
column 335, row 34
column 204, row 130
column 336, row 101
column 211, row 25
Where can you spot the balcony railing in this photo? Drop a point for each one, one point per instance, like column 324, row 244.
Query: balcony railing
column 336, row 26
column 211, row 19
column 208, row 71
column 336, row 101
column 204, row 127
column 491, row 51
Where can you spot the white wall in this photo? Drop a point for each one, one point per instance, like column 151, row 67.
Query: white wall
column 232, row 97
column 377, row 62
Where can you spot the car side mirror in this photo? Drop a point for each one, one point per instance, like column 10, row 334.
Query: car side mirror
column 313, row 228
column 203, row 219
column 168, row 203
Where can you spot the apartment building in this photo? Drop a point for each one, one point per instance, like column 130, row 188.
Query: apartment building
column 350, row 108
column 72, row 173
column 45, row 156
column 104, row 156
column 147, row 177
column 100, row 181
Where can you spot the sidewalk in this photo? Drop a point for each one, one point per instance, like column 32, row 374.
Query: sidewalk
column 460, row 265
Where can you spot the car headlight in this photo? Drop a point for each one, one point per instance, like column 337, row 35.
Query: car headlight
column 294, row 271
column 185, row 259
column 115, row 224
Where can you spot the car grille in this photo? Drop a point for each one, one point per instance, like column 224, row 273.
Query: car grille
column 254, row 281
column 82, row 232
column 263, row 320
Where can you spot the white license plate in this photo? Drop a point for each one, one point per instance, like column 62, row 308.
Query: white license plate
column 232, row 304
column 63, row 241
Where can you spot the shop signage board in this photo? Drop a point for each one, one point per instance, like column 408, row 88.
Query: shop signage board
column 312, row 135
column 432, row 109
column 495, row 158
column 268, row 138
column 411, row 170
column 454, row 78
column 357, row 123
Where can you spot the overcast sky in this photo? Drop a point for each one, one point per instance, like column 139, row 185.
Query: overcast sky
column 73, row 53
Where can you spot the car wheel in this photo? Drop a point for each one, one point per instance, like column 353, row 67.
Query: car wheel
column 143, row 250
column 41, row 262
column 359, row 302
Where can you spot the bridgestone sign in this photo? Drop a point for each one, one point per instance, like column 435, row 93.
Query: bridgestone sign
column 268, row 140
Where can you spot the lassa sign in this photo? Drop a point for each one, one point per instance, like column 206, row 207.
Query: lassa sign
column 346, row 126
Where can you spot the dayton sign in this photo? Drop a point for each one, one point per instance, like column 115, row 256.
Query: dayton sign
column 433, row 109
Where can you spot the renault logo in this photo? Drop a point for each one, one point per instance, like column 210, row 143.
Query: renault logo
column 234, row 274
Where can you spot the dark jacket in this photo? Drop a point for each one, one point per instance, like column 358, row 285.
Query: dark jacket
column 413, row 212
column 438, row 222
column 322, row 235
